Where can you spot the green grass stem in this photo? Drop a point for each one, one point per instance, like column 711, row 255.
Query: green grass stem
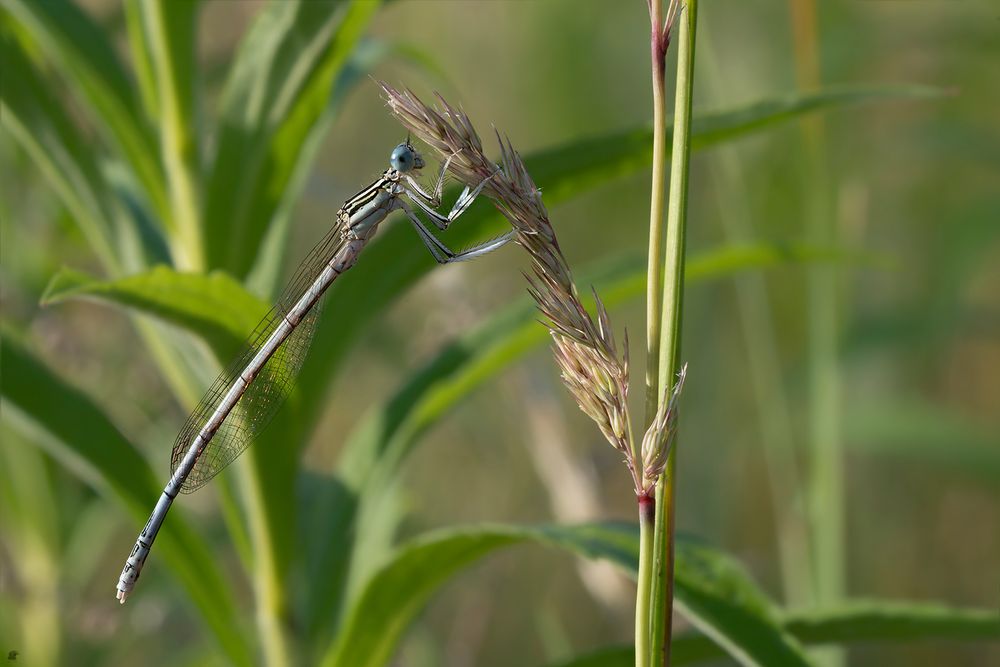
column 673, row 287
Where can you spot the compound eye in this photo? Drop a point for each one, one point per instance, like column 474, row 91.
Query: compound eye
column 402, row 158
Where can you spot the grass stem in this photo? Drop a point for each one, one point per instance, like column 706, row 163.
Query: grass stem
column 654, row 276
column 644, row 584
column 669, row 343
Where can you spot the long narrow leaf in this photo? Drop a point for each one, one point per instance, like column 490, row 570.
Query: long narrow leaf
column 73, row 41
column 214, row 306
column 885, row 620
column 715, row 594
column 170, row 42
column 279, row 87
column 85, row 440
column 264, row 276
column 40, row 124
column 712, row 589
column 858, row 621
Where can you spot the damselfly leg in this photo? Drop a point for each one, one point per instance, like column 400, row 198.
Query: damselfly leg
column 428, row 205
column 442, row 253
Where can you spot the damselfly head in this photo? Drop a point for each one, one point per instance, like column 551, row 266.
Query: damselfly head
column 405, row 158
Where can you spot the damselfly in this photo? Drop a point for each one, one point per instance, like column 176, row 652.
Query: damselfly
column 246, row 395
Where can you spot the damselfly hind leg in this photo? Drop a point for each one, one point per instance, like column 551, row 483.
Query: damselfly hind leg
column 445, row 255
column 442, row 253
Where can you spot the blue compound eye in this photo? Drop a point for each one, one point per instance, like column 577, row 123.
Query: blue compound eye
column 403, row 158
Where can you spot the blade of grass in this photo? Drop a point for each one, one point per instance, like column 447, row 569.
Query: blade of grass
column 68, row 37
column 855, row 622
column 137, row 30
column 277, row 91
column 39, row 123
column 213, row 306
column 170, row 41
column 892, row 620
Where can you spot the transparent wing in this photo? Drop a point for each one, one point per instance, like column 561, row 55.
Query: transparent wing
column 270, row 387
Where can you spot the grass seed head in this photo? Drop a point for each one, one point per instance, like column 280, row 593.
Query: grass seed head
column 584, row 350
column 659, row 437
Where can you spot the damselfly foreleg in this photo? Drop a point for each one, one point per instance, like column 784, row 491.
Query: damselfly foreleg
column 463, row 202
column 433, row 200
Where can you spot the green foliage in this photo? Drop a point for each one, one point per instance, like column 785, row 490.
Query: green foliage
column 186, row 209
column 713, row 591
column 214, row 306
column 83, row 439
column 855, row 623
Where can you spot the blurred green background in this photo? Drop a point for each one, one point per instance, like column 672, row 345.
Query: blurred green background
column 899, row 331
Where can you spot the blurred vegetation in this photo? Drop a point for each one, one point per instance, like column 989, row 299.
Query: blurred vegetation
column 165, row 164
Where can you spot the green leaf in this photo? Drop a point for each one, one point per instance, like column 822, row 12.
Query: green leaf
column 855, row 622
column 278, row 89
column 142, row 58
column 567, row 170
column 83, row 439
column 713, row 591
column 71, row 39
column 40, row 124
column 719, row 599
column 169, row 32
column 213, row 306
column 726, row 125
column 884, row 620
